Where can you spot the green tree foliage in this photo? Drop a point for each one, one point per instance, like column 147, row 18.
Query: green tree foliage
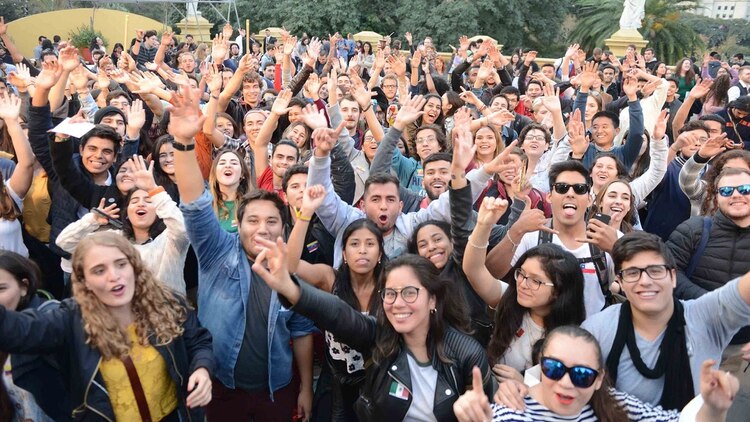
column 727, row 36
column 664, row 26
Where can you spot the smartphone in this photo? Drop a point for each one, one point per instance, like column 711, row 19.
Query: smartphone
column 112, row 222
column 604, row 218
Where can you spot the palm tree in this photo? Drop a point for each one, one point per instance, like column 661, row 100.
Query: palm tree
column 669, row 36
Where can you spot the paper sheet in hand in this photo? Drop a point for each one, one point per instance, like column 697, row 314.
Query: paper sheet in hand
column 73, row 129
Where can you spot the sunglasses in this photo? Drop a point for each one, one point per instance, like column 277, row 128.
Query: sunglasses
column 578, row 188
column 580, row 376
column 727, row 191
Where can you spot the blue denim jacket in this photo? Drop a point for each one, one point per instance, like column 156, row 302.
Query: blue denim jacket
column 224, row 284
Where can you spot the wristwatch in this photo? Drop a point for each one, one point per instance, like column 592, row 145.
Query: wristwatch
column 183, row 147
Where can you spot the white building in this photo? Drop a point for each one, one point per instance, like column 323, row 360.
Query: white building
column 723, row 9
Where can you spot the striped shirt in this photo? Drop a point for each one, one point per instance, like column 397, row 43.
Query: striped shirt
column 536, row 412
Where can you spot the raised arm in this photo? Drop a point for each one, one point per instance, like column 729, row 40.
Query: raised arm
column 364, row 97
column 489, row 288
column 650, row 179
column 20, row 181
column 235, row 82
column 632, row 147
column 69, row 62
column 260, row 148
column 209, row 125
column 698, row 92
column 319, row 275
column 185, row 121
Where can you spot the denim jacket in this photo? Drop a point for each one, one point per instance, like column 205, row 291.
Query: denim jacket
column 223, row 288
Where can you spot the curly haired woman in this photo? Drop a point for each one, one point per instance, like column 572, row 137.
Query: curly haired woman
column 121, row 326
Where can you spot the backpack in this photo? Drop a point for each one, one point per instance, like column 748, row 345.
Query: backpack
column 598, row 258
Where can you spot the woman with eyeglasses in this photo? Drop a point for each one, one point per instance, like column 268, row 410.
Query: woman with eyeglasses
column 574, row 387
column 355, row 284
column 547, row 293
column 421, row 359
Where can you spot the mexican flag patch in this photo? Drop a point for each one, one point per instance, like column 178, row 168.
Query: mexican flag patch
column 399, row 391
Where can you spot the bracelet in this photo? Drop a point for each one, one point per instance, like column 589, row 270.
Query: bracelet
column 183, row 147
column 473, row 245
column 215, row 97
column 303, row 218
column 62, row 138
column 155, row 191
column 515, row 245
column 369, row 106
column 137, row 40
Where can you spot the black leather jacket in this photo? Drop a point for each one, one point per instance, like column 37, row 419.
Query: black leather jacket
column 360, row 332
column 61, row 330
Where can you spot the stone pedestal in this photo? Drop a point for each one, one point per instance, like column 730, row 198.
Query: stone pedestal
column 197, row 26
column 620, row 40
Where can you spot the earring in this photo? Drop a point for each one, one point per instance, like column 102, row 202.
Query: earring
column 433, row 310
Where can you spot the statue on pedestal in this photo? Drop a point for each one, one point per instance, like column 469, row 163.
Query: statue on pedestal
column 632, row 14
column 192, row 9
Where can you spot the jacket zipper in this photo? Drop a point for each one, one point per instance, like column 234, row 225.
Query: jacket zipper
column 174, row 363
column 400, row 382
column 86, row 394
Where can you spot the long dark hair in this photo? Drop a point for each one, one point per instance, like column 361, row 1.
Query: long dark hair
column 442, row 225
column 449, row 310
column 563, row 270
column 622, row 171
column 605, row 407
column 25, row 272
column 719, row 90
column 155, row 230
column 455, row 101
column 342, row 285
column 710, row 205
column 160, row 177
column 440, row 118
column 689, row 75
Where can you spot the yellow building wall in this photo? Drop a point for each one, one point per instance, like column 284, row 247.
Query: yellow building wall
column 116, row 26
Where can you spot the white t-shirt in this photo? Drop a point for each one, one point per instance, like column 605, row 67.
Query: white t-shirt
column 711, row 322
column 518, row 355
column 423, row 384
column 592, row 291
column 11, row 238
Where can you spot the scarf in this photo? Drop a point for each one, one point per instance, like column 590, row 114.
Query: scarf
column 673, row 362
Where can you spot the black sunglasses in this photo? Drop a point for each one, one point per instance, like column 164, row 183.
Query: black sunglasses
column 580, row 376
column 578, row 188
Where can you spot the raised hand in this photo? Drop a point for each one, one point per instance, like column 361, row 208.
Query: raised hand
column 111, row 210
column 416, row 59
column 398, row 64
column 3, row 26
column 714, row 146
column 324, row 139
column 572, row 50
column 718, row 388
column 660, row 128
column 410, row 112
column 500, row 118
column 359, row 91
column 491, row 210
column 227, row 31
column 146, row 82
column 463, row 43
column 469, row 98
column 139, row 34
column 485, row 70
column 409, row 38
column 312, row 199
column 462, row 119
column 289, row 45
column 102, row 80
column 589, row 75
column 579, row 143
column 313, row 118
column 49, row 75
column 530, row 57
column 551, row 98
column 332, row 84
column 166, row 38
column 281, row 104
column 136, row 117
column 213, row 79
column 473, row 405
column 79, row 78
column 219, row 49
column 186, row 118
column 379, row 63
column 502, row 162
column 600, row 234
column 701, row 90
column 313, row 52
column 10, row 107
column 68, row 58
column 630, row 87
column 20, row 78
column 120, row 76
column 143, row 174
column 463, row 147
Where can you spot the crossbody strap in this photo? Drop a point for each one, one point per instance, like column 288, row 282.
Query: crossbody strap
column 135, row 384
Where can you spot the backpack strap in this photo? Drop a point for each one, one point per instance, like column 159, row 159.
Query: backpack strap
column 707, row 222
column 600, row 265
column 545, row 236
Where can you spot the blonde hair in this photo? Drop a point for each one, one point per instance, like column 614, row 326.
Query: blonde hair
column 156, row 309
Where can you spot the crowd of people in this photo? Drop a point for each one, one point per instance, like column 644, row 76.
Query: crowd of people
column 324, row 229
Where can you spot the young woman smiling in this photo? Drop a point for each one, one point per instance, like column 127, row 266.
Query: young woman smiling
column 421, row 358
column 574, row 386
column 120, row 317
column 153, row 222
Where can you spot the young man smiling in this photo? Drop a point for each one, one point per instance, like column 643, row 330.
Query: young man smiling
column 657, row 349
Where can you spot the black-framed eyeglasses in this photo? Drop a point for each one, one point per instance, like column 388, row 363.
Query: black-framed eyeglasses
column 727, row 191
column 578, row 188
column 633, row 274
column 580, row 376
column 409, row 294
column 531, row 283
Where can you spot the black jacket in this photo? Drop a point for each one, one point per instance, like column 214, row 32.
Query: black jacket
column 726, row 257
column 360, row 332
column 61, row 331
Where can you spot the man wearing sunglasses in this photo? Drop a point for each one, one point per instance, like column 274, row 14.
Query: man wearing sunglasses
column 570, row 199
column 711, row 250
column 659, row 343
